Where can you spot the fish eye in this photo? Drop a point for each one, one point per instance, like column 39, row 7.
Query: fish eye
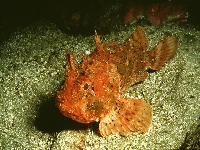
column 86, row 86
column 82, row 72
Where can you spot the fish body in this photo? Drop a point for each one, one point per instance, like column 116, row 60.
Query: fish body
column 93, row 90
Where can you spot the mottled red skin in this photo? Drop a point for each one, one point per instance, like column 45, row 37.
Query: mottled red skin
column 93, row 90
column 78, row 90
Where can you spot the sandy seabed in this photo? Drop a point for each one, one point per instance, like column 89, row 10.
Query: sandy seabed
column 32, row 70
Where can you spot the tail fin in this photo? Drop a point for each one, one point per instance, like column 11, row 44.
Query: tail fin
column 163, row 52
column 129, row 115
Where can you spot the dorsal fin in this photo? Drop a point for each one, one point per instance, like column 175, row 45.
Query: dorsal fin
column 99, row 46
column 70, row 60
column 162, row 52
column 138, row 40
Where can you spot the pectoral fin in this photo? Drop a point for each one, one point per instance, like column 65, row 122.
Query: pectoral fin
column 129, row 115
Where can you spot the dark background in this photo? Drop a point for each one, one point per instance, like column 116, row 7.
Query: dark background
column 75, row 16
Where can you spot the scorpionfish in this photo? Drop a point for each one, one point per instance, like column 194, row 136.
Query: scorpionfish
column 93, row 90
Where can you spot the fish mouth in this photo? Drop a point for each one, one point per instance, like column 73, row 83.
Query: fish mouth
column 69, row 111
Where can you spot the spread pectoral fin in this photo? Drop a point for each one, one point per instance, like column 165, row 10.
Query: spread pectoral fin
column 130, row 115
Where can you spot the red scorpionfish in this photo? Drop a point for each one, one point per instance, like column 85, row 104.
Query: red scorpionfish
column 93, row 90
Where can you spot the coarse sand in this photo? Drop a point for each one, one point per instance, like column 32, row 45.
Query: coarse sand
column 32, row 70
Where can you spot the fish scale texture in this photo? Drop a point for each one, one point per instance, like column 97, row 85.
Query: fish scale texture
column 93, row 90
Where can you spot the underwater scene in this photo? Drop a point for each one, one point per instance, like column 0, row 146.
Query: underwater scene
column 99, row 74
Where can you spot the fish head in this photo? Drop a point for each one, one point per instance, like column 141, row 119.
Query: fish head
column 84, row 93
